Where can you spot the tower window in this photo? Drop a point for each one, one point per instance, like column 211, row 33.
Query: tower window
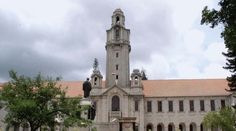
column 117, row 34
column 95, row 81
column 117, row 77
column 136, row 105
column 117, row 19
column 136, row 80
column 117, row 67
column 117, row 54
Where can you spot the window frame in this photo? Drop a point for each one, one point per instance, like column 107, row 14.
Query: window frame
column 159, row 106
column 202, row 105
column 181, row 106
column 149, row 106
column 191, row 105
column 170, row 106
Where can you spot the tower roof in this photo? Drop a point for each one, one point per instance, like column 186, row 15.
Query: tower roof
column 118, row 11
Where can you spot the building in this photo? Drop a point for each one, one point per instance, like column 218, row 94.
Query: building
column 153, row 105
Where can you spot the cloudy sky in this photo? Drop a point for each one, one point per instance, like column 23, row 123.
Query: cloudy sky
column 62, row 38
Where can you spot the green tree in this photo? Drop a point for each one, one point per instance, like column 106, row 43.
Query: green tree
column 226, row 16
column 39, row 102
column 225, row 119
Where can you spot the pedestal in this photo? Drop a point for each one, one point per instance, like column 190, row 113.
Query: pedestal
column 127, row 123
column 85, row 102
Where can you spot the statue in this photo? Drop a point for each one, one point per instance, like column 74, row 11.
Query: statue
column 86, row 88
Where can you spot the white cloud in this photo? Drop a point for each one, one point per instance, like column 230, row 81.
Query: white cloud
column 214, row 53
column 63, row 36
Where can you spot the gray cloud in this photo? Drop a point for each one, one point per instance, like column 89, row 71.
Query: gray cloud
column 70, row 50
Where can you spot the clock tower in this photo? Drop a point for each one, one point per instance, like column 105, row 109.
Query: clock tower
column 118, row 49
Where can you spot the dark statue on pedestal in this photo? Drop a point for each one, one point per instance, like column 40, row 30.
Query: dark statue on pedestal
column 87, row 88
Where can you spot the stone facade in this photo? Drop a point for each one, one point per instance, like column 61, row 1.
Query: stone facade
column 132, row 100
column 154, row 105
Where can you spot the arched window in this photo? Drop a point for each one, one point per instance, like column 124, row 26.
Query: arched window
column 117, row 19
column 115, row 103
column 192, row 127
column 182, row 127
column 171, row 127
column 160, row 127
column 201, row 127
column 136, row 80
column 95, row 81
column 149, row 127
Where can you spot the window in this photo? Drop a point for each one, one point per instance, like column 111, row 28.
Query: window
column 222, row 103
column 135, row 80
column 193, row 127
column 117, row 33
column 117, row 77
column 213, row 108
column 115, row 103
column 149, row 106
column 117, row 19
column 160, row 127
column 170, row 103
column 202, row 105
column 182, row 127
column 201, row 127
column 181, row 106
column 136, row 105
column 117, row 67
column 191, row 105
column 95, row 81
column 159, row 106
column 170, row 127
column 117, row 54
column 149, row 127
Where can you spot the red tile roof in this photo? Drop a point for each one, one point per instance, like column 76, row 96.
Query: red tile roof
column 164, row 88
column 187, row 87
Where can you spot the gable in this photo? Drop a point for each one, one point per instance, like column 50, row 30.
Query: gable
column 114, row 90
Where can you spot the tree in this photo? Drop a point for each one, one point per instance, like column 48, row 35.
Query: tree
column 225, row 16
column 225, row 119
column 39, row 102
